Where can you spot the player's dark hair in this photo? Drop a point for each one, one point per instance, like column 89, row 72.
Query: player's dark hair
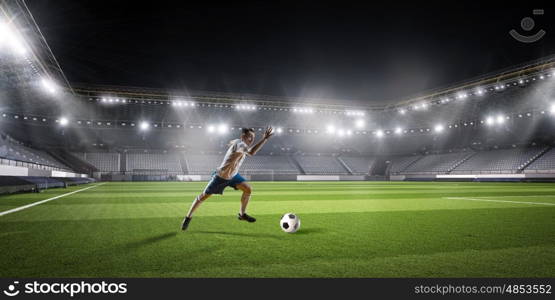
column 247, row 130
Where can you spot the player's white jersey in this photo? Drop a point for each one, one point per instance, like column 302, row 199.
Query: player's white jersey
column 233, row 159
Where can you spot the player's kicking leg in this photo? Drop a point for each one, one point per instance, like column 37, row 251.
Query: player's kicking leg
column 245, row 197
column 196, row 203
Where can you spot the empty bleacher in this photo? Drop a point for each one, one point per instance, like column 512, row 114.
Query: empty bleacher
column 321, row 165
column 499, row 161
column 400, row 163
column 103, row 161
column 544, row 164
column 436, row 163
column 13, row 150
column 358, row 165
column 153, row 162
column 266, row 163
column 203, row 164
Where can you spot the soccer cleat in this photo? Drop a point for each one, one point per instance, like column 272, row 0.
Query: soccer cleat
column 185, row 223
column 246, row 217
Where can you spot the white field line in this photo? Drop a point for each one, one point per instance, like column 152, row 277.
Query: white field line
column 492, row 200
column 46, row 200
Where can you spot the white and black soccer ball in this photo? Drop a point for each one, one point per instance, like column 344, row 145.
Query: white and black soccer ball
column 290, row 223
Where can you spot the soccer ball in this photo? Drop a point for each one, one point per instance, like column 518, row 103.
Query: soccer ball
column 290, row 223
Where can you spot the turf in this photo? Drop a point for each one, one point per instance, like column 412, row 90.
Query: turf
column 349, row 229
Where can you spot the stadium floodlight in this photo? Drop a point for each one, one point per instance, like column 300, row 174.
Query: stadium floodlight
column 211, row 128
column 64, row 121
column 500, row 119
column 489, row 121
column 222, row 129
column 552, row 110
column 438, row 128
column 340, row 132
column 462, row 95
column 398, row 130
column 480, row 91
column 303, row 110
column 330, row 129
column 49, row 86
column 379, row 133
column 424, row 105
column 402, row 111
column 359, row 123
column 356, row 113
column 9, row 38
column 349, row 132
column 144, row 126
column 279, row 130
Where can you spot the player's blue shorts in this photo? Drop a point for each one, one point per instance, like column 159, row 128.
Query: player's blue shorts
column 217, row 184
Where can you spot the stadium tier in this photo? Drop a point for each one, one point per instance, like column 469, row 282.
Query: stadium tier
column 203, row 164
column 544, row 164
column 313, row 165
column 400, row 163
column 499, row 161
column 13, row 150
column 269, row 164
column 153, row 163
column 357, row 165
column 104, row 162
column 436, row 163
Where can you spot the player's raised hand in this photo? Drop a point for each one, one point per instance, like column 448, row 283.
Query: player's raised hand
column 268, row 133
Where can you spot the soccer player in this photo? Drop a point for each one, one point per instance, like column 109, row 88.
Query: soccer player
column 227, row 174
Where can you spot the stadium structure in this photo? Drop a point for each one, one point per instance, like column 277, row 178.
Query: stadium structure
column 340, row 166
column 496, row 127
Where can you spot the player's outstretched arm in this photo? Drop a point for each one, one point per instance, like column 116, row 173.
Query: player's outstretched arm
column 267, row 134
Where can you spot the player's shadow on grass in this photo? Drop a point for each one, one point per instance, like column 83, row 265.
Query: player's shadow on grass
column 150, row 240
column 239, row 234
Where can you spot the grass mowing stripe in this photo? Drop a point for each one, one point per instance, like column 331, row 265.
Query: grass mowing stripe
column 108, row 211
column 503, row 201
column 132, row 230
column 46, row 200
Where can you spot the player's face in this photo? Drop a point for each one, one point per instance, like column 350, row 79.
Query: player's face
column 248, row 138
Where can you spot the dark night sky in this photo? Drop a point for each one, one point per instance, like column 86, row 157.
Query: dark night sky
column 329, row 50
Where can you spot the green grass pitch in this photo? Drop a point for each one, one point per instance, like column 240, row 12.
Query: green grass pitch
column 349, row 229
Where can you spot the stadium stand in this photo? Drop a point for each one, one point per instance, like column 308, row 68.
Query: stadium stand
column 206, row 164
column 436, row 163
column 321, row 165
column 14, row 150
column 264, row 163
column 400, row 163
column 358, row 165
column 153, row 162
column 544, row 164
column 203, row 164
column 499, row 161
column 104, row 162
